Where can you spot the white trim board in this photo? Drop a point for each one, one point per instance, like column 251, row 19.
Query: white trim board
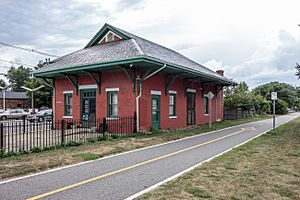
column 172, row 92
column 191, row 90
column 155, row 92
column 112, row 89
column 68, row 116
column 83, row 87
column 68, row 92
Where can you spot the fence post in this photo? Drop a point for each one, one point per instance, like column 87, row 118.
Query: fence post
column 103, row 126
column 24, row 121
column 134, row 123
column 2, row 139
column 62, row 131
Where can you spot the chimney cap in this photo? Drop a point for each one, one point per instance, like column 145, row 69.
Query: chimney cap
column 221, row 72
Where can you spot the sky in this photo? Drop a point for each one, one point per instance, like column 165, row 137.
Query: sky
column 256, row 41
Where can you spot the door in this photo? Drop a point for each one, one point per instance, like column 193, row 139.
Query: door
column 88, row 107
column 191, row 108
column 155, row 111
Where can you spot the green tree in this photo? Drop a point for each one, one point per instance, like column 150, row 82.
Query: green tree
column 297, row 67
column 2, row 83
column 285, row 92
column 281, row 107
column 18, row 76
column 43, row 96
column 241, row 97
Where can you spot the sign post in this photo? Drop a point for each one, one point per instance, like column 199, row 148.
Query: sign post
column 274, row 98
column 210, row 95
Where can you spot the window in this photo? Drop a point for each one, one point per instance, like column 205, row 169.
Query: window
column 206, row 105
column 112, row 104
column 68, row 104
column 172, row 111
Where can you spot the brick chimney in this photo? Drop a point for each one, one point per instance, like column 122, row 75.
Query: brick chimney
column 221, row 72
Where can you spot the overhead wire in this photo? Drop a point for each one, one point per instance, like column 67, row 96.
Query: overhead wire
column 28, row 50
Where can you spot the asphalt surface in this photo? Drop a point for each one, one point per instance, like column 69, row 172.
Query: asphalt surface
column 124, row 175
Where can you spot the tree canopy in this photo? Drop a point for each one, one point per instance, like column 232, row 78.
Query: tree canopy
column 17, row 76
column 3, row 83
column 260, row 97
column 241, row 97
column 285, row 92
column 20, row 76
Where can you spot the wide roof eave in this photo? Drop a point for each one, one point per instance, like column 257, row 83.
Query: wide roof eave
column 98, row 66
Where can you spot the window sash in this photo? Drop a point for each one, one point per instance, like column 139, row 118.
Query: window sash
column 68, row 105
column 172, row 105
column 112, row 104
column 206, row 105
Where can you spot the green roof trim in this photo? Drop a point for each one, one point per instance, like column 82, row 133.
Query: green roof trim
column 100, row 34
column 129, row 61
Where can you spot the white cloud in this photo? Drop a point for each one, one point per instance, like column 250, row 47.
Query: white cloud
column 253, row 40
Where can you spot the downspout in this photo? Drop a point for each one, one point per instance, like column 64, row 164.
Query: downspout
column 139, row 82
column 139, row 86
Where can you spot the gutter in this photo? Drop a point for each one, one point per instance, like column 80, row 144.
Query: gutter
column 129, row 61
column 140, row 81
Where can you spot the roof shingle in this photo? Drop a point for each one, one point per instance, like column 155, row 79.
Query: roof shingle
column 133, row 47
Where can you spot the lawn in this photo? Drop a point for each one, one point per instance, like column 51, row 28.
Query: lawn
column 40, row 161
column 267, row 167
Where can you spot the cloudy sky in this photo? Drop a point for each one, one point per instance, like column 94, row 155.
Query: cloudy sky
column 256, row 41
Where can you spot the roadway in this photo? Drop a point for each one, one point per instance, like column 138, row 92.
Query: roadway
column 124, row 175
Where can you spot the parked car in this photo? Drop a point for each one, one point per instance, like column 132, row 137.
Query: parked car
column 41, row 116
column 13, row 114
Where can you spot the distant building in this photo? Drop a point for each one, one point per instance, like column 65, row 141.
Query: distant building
column 14, row 100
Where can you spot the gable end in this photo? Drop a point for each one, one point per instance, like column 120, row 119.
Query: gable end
column 110, row 37
column 103, row 32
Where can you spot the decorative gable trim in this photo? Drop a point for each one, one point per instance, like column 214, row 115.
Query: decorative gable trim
column 106, row 38
column 102, row 32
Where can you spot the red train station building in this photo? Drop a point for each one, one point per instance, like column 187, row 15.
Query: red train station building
column 118, row 73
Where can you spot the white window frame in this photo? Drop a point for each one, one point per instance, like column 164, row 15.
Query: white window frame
column 155, row 92
column 68, row 92
column 112, row 90
column 191, row 90
column 84, row 87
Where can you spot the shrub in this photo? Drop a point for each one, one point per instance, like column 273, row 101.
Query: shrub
column 114, row 136
column 73, row 144
column 36, row 150
column 281, row 107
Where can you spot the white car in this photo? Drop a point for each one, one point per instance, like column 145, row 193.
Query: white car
column 13, row 114
column 41, row 116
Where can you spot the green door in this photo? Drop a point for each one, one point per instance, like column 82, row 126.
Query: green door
column 155, row 111
column 88, row 107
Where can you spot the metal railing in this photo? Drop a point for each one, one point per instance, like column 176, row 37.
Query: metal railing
column 23, row 135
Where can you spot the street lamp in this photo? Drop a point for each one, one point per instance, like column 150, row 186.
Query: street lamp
column 32, row 91
column 4, row 92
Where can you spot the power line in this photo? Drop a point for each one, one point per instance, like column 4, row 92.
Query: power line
column 11, row 62
column 4, row 67
column 29, row 50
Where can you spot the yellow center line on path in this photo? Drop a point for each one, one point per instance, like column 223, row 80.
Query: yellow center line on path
column 134, row 166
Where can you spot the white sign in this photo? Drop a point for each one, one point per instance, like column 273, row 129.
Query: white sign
column 274, row 96
column 210, row 95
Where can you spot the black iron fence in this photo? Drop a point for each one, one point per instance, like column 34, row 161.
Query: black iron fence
column 23, row 135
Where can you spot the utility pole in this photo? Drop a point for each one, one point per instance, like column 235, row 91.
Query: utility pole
column 32, row 95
